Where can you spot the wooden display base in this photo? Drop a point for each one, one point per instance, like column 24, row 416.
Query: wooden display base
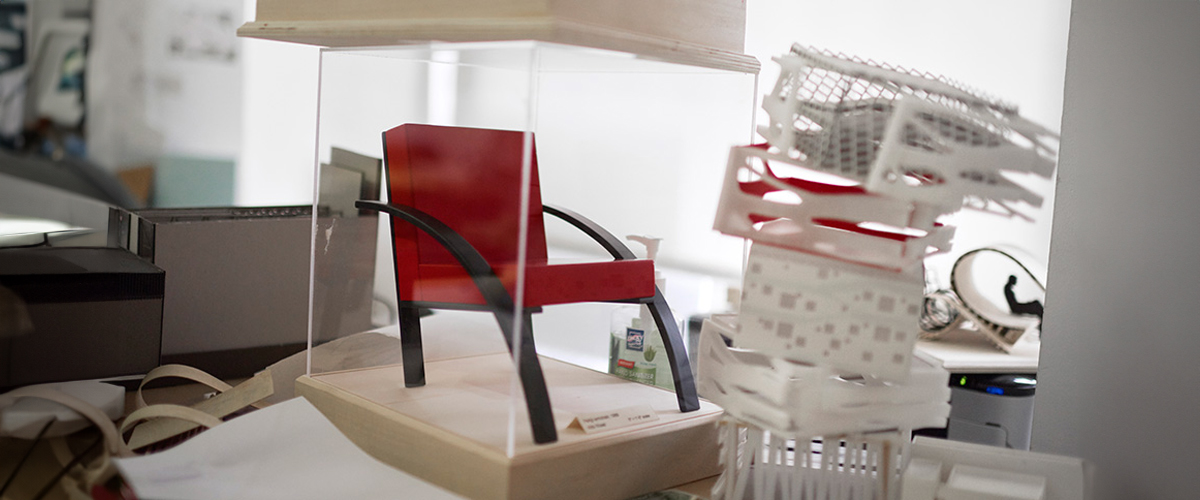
column 707, row 33
column 453, row 431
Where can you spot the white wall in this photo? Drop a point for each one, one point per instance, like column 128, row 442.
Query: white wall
column 164, row 78
column 279, row 122
column 1119, row 362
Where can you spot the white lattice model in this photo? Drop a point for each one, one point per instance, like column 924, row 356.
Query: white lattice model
column 853, row 318
column 865, row 465
column 842, row 205
column 766, row 198
column 908, row 135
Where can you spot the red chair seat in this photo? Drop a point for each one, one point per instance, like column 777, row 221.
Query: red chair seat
column 545, row 284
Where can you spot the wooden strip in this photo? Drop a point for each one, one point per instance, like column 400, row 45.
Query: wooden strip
column 176, row 412
column 311, row 10
column 222, row 405
column 179, row 371
column 112, row 439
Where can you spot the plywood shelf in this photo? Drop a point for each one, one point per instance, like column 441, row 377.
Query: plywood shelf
column 707, row 33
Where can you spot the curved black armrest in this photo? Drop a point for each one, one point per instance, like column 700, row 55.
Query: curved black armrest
column 681, row 369
column 611, row 243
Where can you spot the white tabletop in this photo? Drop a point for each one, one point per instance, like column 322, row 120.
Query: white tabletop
column 968, row 351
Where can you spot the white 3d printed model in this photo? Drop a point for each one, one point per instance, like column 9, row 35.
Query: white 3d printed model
column 817, row 372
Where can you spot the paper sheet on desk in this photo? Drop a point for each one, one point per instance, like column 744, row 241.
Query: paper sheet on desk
column 286, row 451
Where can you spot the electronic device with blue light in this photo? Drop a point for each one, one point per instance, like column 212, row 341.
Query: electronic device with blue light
column 992, row 409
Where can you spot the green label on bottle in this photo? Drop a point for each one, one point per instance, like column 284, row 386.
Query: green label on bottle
column 629, row 370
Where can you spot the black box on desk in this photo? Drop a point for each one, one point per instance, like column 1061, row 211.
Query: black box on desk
column 92, row 313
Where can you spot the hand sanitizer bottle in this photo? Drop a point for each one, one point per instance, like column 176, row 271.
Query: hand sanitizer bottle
column 636, row 350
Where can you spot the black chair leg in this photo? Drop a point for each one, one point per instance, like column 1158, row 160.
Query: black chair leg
column 681, row 368
column 533, row 382
column 411, row 352
column 537, row 398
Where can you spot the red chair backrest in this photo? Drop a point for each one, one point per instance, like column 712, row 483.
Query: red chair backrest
column 468, row 178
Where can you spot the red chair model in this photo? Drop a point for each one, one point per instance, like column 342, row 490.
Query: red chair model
column 454, row 198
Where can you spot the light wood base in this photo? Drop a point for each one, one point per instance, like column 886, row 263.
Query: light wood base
column 453, row 431
column 708, row 33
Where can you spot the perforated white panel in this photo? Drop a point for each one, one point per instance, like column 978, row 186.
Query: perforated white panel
column 854, row 318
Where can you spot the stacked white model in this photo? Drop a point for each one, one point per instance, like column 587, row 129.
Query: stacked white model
column 842, row 205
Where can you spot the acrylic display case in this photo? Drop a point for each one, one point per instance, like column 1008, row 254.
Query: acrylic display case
column 636, row 145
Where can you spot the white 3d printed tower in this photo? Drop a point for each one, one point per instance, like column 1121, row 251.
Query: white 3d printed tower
column 817, row 372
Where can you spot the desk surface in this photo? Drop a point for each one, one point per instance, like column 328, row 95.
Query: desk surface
column 966, row 351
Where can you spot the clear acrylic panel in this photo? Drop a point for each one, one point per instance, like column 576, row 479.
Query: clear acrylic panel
column 636, row 145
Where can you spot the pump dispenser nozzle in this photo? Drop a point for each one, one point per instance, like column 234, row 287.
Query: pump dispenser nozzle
column 651, row 243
